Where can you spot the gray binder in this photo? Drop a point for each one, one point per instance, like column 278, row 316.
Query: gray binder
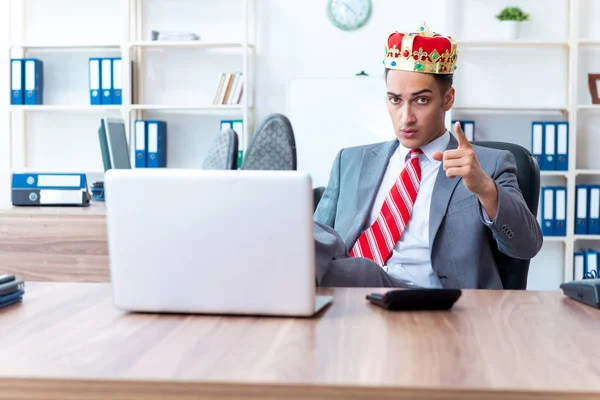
column 113, row 144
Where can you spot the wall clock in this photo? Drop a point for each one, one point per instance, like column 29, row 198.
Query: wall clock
column 349, row 14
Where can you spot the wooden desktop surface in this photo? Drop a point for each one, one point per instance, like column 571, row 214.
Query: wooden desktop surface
column 67, row 341
column 62, row 244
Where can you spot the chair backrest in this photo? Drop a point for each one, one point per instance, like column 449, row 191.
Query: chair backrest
column 223, row 151
column 272, row 147
column 513, row 272
column 317, row 194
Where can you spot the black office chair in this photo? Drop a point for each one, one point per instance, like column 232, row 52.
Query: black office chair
column 513, row 272
column 223, row 151
column 317, row 194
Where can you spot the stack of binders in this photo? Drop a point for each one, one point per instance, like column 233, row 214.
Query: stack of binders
column 150, row 144
column 27, row 81
column 550, row 145
column 105, row 81
column 11, row 290
column 586, row 264
column 468, row 128
column 587, row 209
column 554, row 211
column 50, row 190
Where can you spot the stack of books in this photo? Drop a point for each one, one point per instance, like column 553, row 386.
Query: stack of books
column 230, row 89
column 11, row 290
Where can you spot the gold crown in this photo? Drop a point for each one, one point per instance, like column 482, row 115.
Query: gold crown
column 421, row 51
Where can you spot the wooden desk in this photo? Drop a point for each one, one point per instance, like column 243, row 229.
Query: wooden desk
column 66, row 341
column 55, row 243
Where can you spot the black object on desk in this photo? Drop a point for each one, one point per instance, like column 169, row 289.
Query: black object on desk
column 11, row 290
column 585, row 291
column 97, row 191
column 416, row 299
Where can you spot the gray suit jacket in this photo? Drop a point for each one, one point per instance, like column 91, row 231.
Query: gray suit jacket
column 459, row 239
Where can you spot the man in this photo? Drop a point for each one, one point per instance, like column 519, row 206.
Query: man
column 420, row 210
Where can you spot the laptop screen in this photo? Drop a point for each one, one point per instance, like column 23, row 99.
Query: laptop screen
column 113, row 144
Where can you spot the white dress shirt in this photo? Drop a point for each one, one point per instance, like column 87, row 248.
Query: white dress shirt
column 411, row 259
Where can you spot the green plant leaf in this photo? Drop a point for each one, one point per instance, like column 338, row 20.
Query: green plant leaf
column 512, row 14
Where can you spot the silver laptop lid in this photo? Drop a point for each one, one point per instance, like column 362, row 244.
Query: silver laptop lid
column 211, row 241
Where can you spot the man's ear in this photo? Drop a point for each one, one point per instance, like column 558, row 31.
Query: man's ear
column 448, row 99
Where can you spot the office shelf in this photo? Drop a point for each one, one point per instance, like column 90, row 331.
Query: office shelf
column 589, row 42
column 203, row 109
column 587, row 237
column 512, row 43
column 67, row 46
column 562, row 174
column 160, row 44
column 56, row 171
column 492, row 107
column 587, row 172
column 65, row 54
column 64, row 108
column 555, row 239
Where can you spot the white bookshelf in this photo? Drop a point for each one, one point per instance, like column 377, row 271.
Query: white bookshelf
column 511, row 43
column 570, row 47
column 129, row 39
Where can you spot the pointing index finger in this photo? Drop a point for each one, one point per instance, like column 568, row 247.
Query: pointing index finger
column 463, row 142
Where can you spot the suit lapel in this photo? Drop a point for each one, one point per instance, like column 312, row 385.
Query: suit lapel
column 440, row 198
column 373, row 165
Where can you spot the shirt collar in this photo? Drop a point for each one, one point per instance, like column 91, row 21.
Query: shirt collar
column 439, row 144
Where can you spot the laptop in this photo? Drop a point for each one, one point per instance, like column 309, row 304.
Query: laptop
column 113, row 144
column 212, row 242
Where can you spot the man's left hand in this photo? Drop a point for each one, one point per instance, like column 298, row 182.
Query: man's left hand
column 463, row 162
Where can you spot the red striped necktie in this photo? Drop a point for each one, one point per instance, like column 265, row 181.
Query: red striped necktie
column 377, row 242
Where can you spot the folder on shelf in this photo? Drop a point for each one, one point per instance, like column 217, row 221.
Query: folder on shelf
column 16, row 81
column 34, row 81
column 593, row 210
column 537, row 142
column 578, row 265
column 548, row 210
column 157, row 144
column 117, row 81
column 226, row 124
column 468, row 128
column 106, row 80
column 238, row 126
column 141, row 138
column 591, row 263
column 94, row 70
column 562, row 146
column 549, row 162
column 49, row 189
column 581, row 215
column 560, row 213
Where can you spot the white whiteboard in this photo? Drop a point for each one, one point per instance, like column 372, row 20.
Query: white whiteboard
column 328, row 114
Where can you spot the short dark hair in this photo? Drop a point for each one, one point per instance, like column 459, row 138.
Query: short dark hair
column 444, row 81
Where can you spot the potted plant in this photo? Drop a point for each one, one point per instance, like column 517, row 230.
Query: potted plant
column 511, row 19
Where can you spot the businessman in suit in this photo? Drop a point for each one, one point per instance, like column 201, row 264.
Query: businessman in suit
column 422, row 209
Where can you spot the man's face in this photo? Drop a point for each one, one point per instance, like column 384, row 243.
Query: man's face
column 417, row 107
